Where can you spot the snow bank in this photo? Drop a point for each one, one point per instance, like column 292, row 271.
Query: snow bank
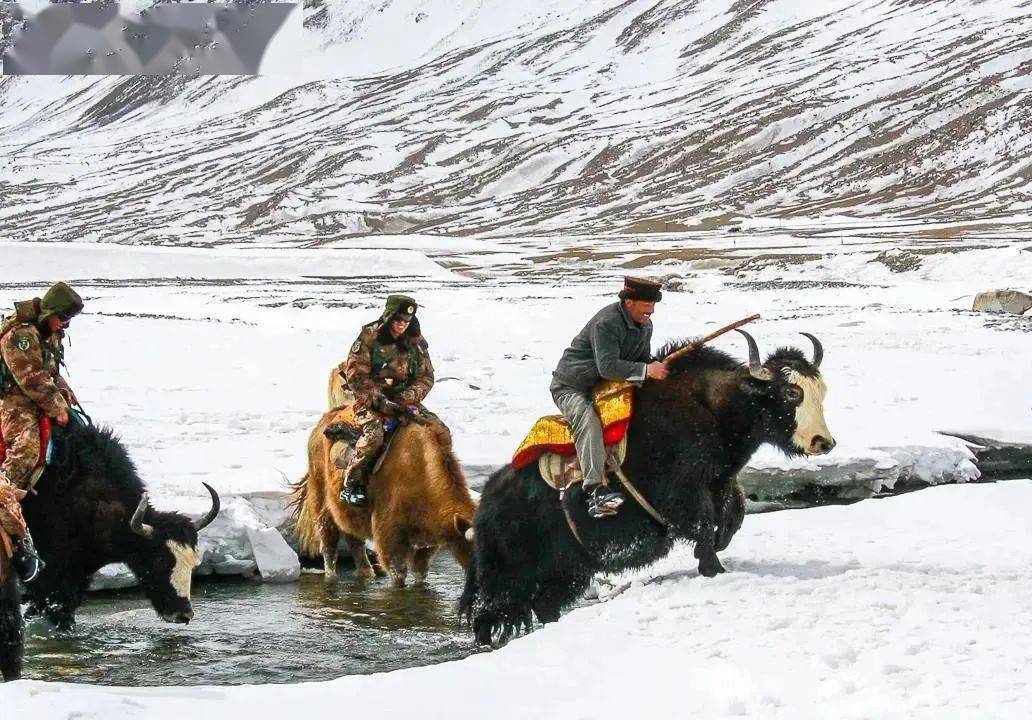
column 28, row 262
column 913, row 607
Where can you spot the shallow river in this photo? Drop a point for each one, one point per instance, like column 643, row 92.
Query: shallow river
column 255, row 633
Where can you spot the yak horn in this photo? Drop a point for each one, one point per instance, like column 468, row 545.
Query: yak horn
column 755, row 368
column 216, row 505
column 818, row 350
column 136, row 523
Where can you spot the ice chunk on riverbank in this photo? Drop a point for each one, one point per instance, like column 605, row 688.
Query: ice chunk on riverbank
column 277, row 561
column 116, row 576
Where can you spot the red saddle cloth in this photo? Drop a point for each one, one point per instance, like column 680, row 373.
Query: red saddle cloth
column 45, row 427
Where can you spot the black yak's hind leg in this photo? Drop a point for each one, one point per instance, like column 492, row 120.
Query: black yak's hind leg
column 12, row 629
column 730, row 508
column 555, row 594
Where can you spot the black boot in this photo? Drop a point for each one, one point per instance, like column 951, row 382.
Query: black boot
column 26, row 561
column 354, row 492
column 602, row 502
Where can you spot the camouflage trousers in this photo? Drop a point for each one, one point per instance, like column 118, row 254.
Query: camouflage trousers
column 19, row 427
column 369, row 444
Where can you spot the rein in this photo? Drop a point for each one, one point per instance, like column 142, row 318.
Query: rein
column 60, row 456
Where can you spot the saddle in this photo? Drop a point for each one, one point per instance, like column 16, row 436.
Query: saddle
column 550, row 440
column 45, row 432
column 345, row 431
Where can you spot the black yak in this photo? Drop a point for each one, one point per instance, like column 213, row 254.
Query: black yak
column 690, row 436
column 12, row 636
column 91, row 510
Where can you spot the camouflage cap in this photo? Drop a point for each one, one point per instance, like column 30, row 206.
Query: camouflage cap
column 60, row 300
column 402, row 305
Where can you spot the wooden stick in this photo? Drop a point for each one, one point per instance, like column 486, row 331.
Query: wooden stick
column 702, row 341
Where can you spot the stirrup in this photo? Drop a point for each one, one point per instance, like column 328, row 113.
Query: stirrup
column 354, row 495
column 603, row 502
column 26, row 561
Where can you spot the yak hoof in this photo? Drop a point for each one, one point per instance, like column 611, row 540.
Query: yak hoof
column 711, row 568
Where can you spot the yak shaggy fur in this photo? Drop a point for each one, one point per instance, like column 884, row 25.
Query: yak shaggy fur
column 80, row 521
column 690, row 436
column 418, row 502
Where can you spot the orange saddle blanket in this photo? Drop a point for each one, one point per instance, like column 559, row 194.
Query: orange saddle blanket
column 614, row 401
column 44, row 440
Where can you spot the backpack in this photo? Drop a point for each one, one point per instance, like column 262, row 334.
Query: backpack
column 24, row 312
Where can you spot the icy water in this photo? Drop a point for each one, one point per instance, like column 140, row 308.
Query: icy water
column 255, row 633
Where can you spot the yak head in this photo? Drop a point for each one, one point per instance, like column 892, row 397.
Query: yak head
column 792, row 389
column 165, row 554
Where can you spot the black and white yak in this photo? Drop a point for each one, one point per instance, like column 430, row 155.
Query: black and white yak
column 91, row 510
column 690, row 436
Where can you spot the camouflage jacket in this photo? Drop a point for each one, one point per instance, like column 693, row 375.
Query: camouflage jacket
column 33, row 365
column 380, row 367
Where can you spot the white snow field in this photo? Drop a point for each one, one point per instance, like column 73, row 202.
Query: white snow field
column 212, row 363
column 911, row 607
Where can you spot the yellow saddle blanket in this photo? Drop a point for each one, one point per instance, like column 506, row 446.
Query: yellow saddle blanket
column 614, row 401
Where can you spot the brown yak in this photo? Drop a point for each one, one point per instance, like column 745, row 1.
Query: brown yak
column 418, row 502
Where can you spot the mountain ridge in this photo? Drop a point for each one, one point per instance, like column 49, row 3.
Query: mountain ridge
column 599, row 117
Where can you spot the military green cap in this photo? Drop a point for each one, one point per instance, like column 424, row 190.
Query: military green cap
column 401, row 306
column 60, row 300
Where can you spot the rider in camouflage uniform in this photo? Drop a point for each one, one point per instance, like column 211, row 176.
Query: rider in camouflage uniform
column 389, row 372
column 31, row 355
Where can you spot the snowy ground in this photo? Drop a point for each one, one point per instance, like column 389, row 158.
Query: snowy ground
column 212, row 363
column 917, row 606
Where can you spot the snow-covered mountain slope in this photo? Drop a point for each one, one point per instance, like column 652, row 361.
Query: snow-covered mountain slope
column 913, row 607
column 487, row 116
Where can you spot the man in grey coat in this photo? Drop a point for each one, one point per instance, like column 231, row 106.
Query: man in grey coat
column 614, row 345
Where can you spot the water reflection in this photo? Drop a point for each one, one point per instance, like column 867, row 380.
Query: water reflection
column 251, row 633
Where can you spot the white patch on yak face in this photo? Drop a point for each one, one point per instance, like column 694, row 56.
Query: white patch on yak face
column 182, row 573
column 809, row 416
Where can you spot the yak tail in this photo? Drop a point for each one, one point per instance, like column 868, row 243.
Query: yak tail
column 306, row 516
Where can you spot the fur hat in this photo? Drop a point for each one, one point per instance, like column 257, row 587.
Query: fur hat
column 60, row 300
column 641, row 289
column 400, row 306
